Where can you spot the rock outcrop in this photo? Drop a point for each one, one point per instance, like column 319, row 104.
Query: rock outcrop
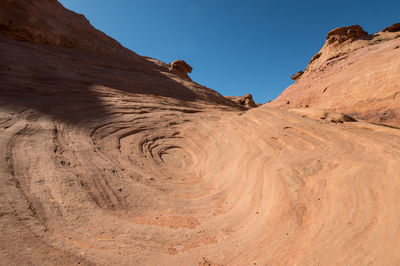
column 338, row 41
column 354, row 73
column 393, row 28
column 297, row 75
column 181, row 68
column 245, row 101
column 342, row 34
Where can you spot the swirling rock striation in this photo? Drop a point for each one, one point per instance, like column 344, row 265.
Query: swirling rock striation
column 107, row 159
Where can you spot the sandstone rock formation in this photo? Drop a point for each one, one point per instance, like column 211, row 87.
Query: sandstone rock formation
column 354, row 73
column 340, row 35
column 244, row 101
column 48, row 22
column 297, row 75
column 393, row 28
column 181, row 68
column 109, row 159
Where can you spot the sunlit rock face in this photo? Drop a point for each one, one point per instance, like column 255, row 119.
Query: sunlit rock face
column 108, row 157
column 340, row 35
column 355, row 73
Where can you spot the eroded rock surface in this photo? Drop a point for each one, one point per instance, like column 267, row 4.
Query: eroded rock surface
column 340, row 35
column 48, row 22
column 297, row 75
column 354, row 73
column 109, row 159
column 244, row 101
column 393, row 28
column 181, row 68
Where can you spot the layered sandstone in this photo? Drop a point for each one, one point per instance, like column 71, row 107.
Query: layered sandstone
column 48, row 22
column 246, row 101
column 392, row 28
column 355, row 73
column 297, row 75
column 181, row 68
column 109, row 159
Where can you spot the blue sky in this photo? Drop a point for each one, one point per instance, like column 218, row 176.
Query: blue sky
column 235, row 47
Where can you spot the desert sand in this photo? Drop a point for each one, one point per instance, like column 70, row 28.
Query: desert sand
column 108, row 157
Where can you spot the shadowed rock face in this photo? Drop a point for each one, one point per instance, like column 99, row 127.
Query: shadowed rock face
column 297, row 75
column 392, row 28
column 109, row 159
column 48, row 22
column 181, row 68
column 245, row 101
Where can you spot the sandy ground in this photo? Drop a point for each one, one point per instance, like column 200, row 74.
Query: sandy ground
column 110, row 160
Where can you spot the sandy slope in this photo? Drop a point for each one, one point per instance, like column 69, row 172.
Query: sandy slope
column 107, row 161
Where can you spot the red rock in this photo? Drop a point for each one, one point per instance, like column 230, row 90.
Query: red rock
column 244, row 101
column 392, row 28
column 351, row 74
column 108, row 157
column 181, row 68
column 343, row 34
column 48, row 22
column 297, row 75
